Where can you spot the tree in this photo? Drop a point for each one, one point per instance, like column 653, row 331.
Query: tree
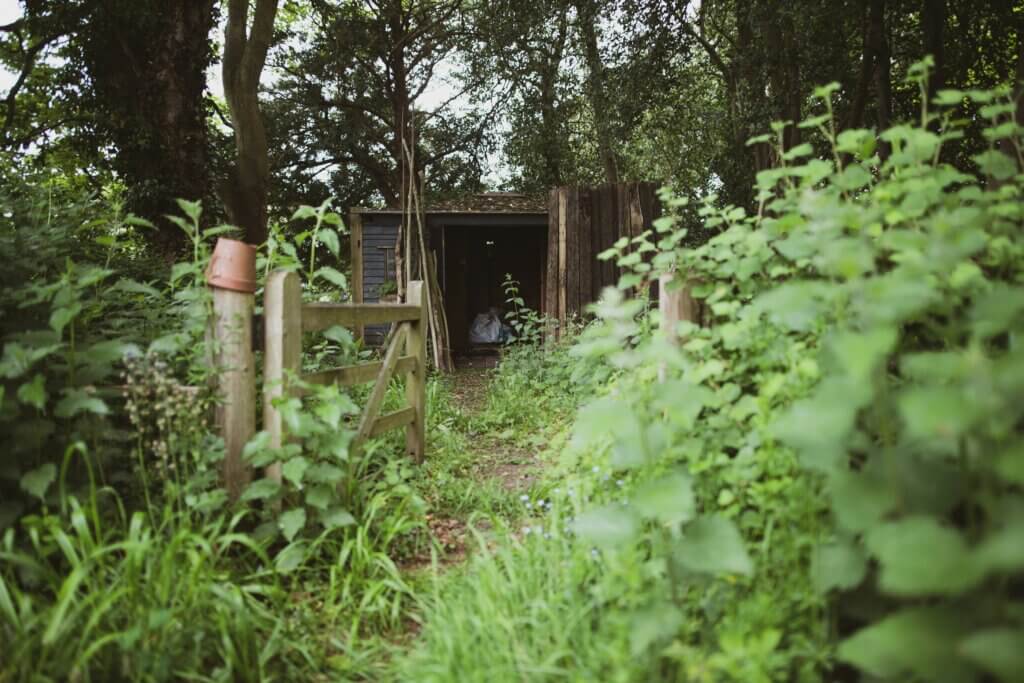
column 125, row 76
column 353, row 91
column 245, row 53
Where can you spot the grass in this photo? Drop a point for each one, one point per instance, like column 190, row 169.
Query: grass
column 93, row 592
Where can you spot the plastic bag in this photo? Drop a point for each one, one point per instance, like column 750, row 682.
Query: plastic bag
column 486, row 329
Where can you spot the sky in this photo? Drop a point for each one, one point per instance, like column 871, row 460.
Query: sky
column 10, row 11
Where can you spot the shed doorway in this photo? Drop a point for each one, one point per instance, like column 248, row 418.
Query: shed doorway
column 473, row 261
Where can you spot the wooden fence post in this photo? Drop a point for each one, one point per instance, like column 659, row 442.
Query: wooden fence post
column 416, row 380
column 231, row 275
column 282, row 315
column 676, row 304
column 235, row 415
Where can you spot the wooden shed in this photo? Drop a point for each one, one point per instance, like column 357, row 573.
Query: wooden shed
column 549, row 244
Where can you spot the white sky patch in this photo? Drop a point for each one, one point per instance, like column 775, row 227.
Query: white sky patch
column 10, row 11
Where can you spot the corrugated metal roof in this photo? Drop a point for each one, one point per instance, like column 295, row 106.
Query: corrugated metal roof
column 485, row 202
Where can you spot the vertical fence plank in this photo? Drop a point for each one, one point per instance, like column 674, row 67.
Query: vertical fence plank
column 563, row 256
column 572, row 262
column 355, row 224
column 551, row 279
column 587, row 258
column 416, row 381
column 233, row 358
column 282, row 314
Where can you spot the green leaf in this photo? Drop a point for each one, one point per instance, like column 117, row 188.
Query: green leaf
column 34, row 393
column 333, row 276
column 134, row 287
column 1002, row 550
column 292, row 557
column 261, row 489
column 712, row 545
column 191, row 209
column 259, row 443
column 339, row 335
column 920, row 557
column 853, row 177
column 817, row 427
column 329, row 239
column 949, row 98
column 996, row 164
column 837, row 565
column 999, row 651
column 320, row 496
column 38, row 481
column 291, row 522
column 324, row 474
column 304, row 211
column 167, row 344
column 656, row 623
column 860, row 354
column 801, row 150
column 336, row 517
column 919, row 641
column 667, row 498
column 60, row 317
column 294, row 470
column 77, row 401
column 860, row 500
column 936, row 411
column 607, row 527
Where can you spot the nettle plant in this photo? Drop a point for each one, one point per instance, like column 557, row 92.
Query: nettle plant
column 527, row 323
column 847, row 433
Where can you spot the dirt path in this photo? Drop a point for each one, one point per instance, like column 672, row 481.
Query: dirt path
column 498, row 458
column 495, row 460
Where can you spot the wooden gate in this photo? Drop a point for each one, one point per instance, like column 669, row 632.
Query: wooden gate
column 286, row 318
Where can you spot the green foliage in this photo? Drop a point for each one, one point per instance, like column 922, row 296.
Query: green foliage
column 828, row 474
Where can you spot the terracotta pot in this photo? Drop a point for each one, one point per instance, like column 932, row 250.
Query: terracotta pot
column 232, row 266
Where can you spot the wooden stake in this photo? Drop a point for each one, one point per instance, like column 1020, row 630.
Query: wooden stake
column 416, row 381
column 236, row 414
column 282, row 314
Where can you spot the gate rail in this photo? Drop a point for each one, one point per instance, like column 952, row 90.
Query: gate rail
column 286, row 318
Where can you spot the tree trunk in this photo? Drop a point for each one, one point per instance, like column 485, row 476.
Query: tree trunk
column 933, row 23
column 586, row 16
column 551, row 62
column 245, row 53
column 883, row 75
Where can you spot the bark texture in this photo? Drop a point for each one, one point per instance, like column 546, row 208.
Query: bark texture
column 245, row 52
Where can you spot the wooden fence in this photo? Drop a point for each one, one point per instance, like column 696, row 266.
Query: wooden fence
column 583, row 222
column 285, row 320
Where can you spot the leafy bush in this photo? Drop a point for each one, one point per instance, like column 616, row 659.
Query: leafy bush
column 851, row 411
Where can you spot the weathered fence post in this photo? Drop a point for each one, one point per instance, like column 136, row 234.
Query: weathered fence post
column 676, row 304
column 282, row 318
column 416, row 381
column 232, row 277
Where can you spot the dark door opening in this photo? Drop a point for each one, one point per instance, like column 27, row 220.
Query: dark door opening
column 473, row 262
